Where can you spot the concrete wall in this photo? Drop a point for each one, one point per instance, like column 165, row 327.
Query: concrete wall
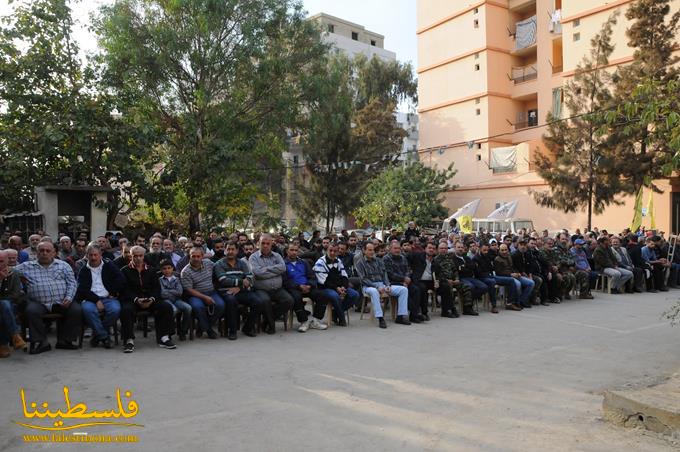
column 98, row 216
column 46, row 202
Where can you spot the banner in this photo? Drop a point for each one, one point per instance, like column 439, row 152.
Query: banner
column 505, row 211
column 637, row 215
column 650, row 210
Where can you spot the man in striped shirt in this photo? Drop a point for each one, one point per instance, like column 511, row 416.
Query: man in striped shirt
column 197, row 280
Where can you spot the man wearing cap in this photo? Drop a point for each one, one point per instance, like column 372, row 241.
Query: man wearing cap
column 582, row 269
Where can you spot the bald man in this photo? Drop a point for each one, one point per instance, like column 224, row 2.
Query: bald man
column 16, row 244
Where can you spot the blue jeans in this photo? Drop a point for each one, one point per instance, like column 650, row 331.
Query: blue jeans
column 509, row 283
column 185, row 308
column 400, row 292
column 340, row 306
column 491, row 285
column 524, row 286
column 200, row 310
column 92, row 316
column 8, row 323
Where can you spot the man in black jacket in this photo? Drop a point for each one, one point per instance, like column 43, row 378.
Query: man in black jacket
column 424, row 270
column 524, row 263
column 399, row 274
column 143, row 293
column 100, row 284
column 485, row 273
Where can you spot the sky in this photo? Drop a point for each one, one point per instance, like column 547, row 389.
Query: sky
column 395, row 19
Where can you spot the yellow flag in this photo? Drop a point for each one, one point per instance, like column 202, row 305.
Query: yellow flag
column 637, row 216
column 465, row 223
column 650, row 210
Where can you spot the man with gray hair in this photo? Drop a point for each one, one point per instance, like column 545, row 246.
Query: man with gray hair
column 15, row 243
column 100, row 284
column 65, row 248
column 268, row 268
column 32, row 250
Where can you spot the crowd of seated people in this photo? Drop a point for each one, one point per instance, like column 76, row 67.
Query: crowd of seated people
column 241, row 285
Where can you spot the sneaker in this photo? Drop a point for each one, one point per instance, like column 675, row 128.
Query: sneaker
column 304, row 326
column 494, row 310
column 18, row 342
column 167, row 344
column 129, row 347
column 317, row 324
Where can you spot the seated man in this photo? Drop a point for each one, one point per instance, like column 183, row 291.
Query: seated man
column 100, row 284
column 268, row 268
column 32, row 250
column 606, row 262
column 171, row 292
column 334, row 284
column 300, row 282
column 234, row 280
column 10, row 300
column 155, row 254
column 447, row 279
column 218, row 249
column 50, row 287
column 399, row 274
column 143, row 293
column 467, row 272
column 375, row 282
column 65, row 248
column 582, row 269
column 424, row 271
column 15, row 243
column 626, row 261
column 523, row 286
column 658, row 264
column 169, row 250
column 207, row 305
column 523, row 261
column 486, row 274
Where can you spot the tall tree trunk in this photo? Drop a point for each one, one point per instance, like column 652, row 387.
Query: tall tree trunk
column 194, row 219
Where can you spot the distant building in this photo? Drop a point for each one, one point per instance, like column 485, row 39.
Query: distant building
column 351, row 39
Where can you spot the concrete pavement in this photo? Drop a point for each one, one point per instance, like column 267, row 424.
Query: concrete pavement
column 516, row 381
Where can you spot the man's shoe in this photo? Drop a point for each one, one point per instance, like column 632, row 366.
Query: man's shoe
column 5, row 351
column 585, row 296
column 402, row 320
column 316, row 324
column 129, row 347
column 381, row 322
column 106, row 343
column 415, row 319
column 66, row 346
column 615, row 291
column 39, row 347
column 545, row 303
column 211, row 334
column 535, row 303
column 304, row 326
column 448, row 314
column 167, row 344
column 526, row 305
column 270, row 329
column 494, row 310
column 426, row 317
column 342, row 322
column 470, row 311
column 94, row 342
column 231, row 335
column 653, row 291
column 512, row 307
column 555, row 300
column 664, row 289
column 18, row 342
column 455, row 313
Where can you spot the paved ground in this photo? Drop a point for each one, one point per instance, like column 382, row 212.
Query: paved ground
column 515, row 381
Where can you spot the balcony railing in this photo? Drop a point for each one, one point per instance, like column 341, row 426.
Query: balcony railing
column 532, row 122
column 523, row 74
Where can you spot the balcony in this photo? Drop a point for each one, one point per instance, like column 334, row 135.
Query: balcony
column 555, row 24
column 525, row 36
column 519, row 6
column 523, row 74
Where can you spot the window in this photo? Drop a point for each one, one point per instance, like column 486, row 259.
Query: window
column 479, row 157
column 355, row 36
column 476, row 23
column 331, row 28
column 476, row 56
column 557, row 99
column 577, row 37
column 478, row 112
column 577, row 22
column 479, row 145
column 477, row 101
column 476, row 67
column 532, row 116
column 476, row 11
column 295, row 160
column 373, row 42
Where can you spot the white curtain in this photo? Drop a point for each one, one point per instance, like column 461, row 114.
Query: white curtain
column 525, row 33
column 503, row 158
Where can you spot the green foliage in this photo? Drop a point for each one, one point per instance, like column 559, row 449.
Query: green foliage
column 405, row 193
column 224, row 79
column 580, row 172
column 56, row 126
column 350, row 118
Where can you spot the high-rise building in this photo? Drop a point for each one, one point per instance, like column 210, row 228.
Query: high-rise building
column 488, row 73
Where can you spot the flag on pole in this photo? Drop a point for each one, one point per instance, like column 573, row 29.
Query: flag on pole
column 650, row 210
column 505, row 211
column 464, row 216
column 637, row 214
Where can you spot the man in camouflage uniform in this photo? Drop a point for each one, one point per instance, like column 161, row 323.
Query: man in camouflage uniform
column 549, row 255
column 445, row 268
column 567, row 265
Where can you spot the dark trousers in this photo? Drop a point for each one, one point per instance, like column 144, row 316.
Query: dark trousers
column 277, row 302
column 68, row 328
column 423, row 287
column 162, row 314
column 247, row 298
column 444, row 292
column 319, row 302
column 658, row 276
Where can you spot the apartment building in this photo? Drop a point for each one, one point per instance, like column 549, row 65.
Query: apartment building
column 488, row 74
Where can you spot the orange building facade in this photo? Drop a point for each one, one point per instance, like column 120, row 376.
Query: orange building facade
column 488, row 74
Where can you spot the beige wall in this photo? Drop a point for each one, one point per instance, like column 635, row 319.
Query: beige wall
column 448, row 86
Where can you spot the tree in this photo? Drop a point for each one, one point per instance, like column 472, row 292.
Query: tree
column 350, row 125
column 643, row 150
column 405, row 193
column 56, row 126
column 223, row 78
column 580, row 168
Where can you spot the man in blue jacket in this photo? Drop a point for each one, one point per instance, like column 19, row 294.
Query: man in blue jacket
column 99, row 285
column 300, row 282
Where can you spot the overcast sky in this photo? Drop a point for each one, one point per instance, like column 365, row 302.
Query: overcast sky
column 395, row 19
